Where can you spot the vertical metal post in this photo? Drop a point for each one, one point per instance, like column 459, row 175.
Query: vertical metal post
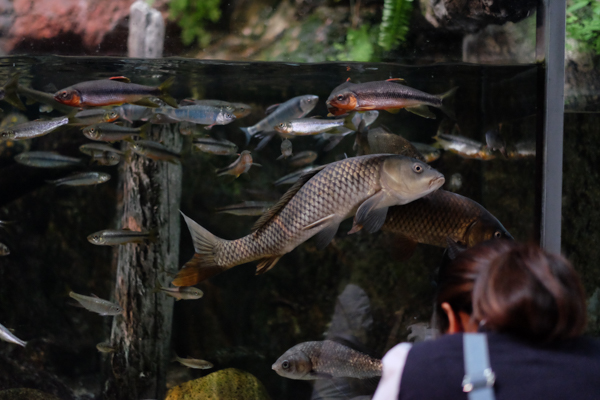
column 551, row 41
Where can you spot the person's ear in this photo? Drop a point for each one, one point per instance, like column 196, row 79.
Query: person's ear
column 454, row 322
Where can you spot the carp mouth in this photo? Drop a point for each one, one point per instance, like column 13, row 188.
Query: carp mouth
column 439, row 181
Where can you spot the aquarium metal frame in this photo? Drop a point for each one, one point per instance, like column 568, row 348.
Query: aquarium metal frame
column 550, row 53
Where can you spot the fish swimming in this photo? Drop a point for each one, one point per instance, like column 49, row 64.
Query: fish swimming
column 385, row 95
column 112, row 91
column 198, row 114
column 105, row 347
column 95, row 116
column 107, row 132
column 154, row 151
column 286, row 149
column 8, row 92
column 441, row 215
column 82, row 179
column 248, row 208
column 326, row 360
column 179, row 293
column 334, row 138
column 7, row 336
column 429, row 153
column 132, row 112
column 32, row 129
column 464, row 147
column 220, row 147
column 311, row 126
column 97, row 305
column 34, row 96
column 193, row 363
column 522, row 150
column 92, row 149
column 114, row 237
column 315, row 206
column 303, row 158
column 239, row 166
column 240, row 110
column 46, row 159
column 4, row 250
column 296, row 107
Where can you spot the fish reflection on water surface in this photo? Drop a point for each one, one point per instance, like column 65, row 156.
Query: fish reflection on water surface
column 314, row 206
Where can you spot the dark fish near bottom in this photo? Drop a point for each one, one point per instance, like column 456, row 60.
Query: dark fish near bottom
column 326, row 360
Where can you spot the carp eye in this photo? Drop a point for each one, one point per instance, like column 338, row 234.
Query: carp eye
column 497, row 234
column 285, row 364
column 340, row 97
column 417, row 168
column 64, row 94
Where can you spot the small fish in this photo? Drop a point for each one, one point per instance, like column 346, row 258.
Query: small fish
column 247, row 208
column 106, row 347
column 46, row 159
column 132, row 112
column 179, row 293
column 186, row 128
column 33, row 129
column 464, row 147
column 116, row 90
column 7, row 336
column 239, row 166
column 311, row 126
column 303, row 158
column 198, row 114
column 326, row 360
column 334, row 138
column 97, row 305
column 9, row 92
column 220, row 147
column 429, row 153
column 382, row 141
column 494, row 141
column 294, row 176
column 4, row 250
column 455, row 182
column 95, row 116
column 386, row 95
column 314, row 206
column 154, row 151
column 194, row 363
column 106, row 159
column 45, row 108
column 114, row 237
column 296, row 107
column 286, row 149
column 35, row 96
column 522, row 150
column 240, row 110
column 82, row 179
column 107, row 132
column 93, row 149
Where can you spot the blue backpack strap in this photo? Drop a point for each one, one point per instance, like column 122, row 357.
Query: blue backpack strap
column 479, row 378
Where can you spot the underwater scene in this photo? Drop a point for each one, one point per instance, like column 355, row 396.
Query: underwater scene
column 279, row 223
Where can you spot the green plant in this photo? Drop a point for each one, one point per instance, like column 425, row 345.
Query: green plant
column 191, row 15
column 583, row 23
column 359, row 45
column 394, row 23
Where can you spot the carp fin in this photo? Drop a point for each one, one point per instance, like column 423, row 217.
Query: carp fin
column 266, row 264
column 369, row 215
column 120, row 79
column 422, row 111
column 454, row 248
column 322, row 221
column 324, row 237
column 287, row 196
column 271, row 108
column 320, row 375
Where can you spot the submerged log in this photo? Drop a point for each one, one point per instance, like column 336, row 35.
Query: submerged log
column 142, row 334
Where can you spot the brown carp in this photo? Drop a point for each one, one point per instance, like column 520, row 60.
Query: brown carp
column 326, row 360
column 314, row 206
column 442, row 215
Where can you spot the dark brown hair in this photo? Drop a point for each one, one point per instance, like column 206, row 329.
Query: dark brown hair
column 532, row 294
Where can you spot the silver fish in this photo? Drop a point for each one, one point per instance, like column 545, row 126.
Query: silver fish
column 105, row 347
column 133, row 112
column 106, row 159
column 7, row 336
column 240, row 110
column 522, row 150
column 82, row 179
column 113, row 237
column 194, row 363
column 310, row 126
column 93, row 149
column 213, row 146
column 294, row 176
column 43, row 97
column 286, row 149
column 303, row 158
column 97, row 305
column 428, row 152
column 154, row 151
column 108, row 132
column 4, row 250
column 249, row 208
column 326, row 360
column 295, row 107
column 33, row 129
column 179, row 293
column 198, row 114
column 95, row 116
column 46, row 159
column 464, row 147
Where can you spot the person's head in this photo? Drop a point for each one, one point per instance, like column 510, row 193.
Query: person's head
column 516, row 288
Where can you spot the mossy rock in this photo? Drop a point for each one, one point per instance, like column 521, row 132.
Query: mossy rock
column 227, row 384
column 25, row 394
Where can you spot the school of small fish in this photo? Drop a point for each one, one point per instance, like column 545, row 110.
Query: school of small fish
column 387, row 186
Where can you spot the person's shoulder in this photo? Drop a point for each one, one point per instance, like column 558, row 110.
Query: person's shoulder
column 438, row 348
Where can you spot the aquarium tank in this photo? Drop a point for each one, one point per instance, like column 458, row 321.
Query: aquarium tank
column 197, row 198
